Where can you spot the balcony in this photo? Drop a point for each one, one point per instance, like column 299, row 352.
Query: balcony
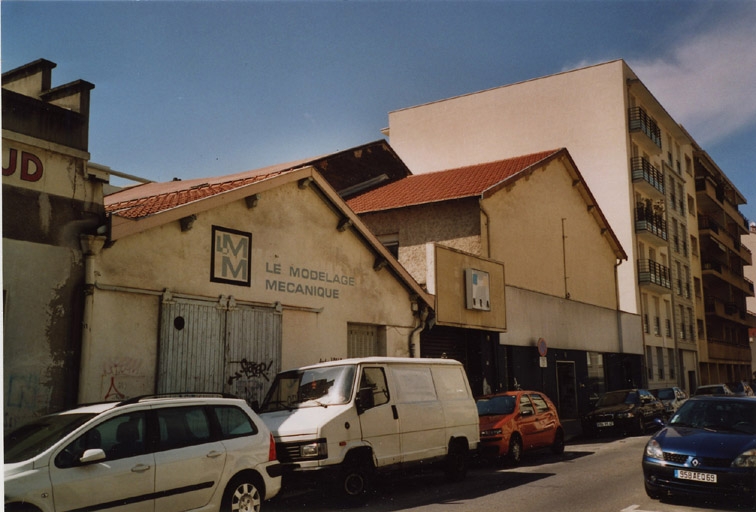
column 650, row 226
column 719, row 270
column 729, row 311
column 720, row 350
column 649, row 132
column 646, row 177
column 654, row 276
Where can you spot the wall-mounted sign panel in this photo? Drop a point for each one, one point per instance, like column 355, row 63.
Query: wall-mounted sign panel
column 470, row 290
column 477, row 290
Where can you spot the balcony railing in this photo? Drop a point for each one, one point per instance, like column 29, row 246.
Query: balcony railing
column 640, row 121
column 651, row 272
column 643, row 171
column 647, row 220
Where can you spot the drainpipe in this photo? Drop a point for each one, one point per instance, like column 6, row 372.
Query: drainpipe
column 91, row 247
column 488, row 228
column 620, row 339
column 423, row 316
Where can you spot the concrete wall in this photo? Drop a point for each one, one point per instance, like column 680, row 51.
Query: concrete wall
column 48, row 201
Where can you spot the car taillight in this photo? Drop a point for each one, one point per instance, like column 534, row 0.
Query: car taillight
column 272, row 449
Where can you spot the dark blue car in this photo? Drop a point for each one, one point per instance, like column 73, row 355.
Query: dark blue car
column 708, row 448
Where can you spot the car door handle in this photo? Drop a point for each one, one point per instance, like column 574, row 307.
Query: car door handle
column 213, row 454
column 396, row 413
column 140, row 468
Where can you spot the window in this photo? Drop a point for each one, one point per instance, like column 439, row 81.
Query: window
column 671, row 358
column 649, row 363
column 119, row 437
column 540, row 404
column 364, row 340
column 390, row 242
column 375, row 380
column 525, row 406
column 234, row 422
column 182, row 426
column 660, row 359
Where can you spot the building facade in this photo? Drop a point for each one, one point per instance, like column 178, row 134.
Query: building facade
column 726, row 349
column 51, row 197
column 473, row 235
column 217, row 284
column 636, row 159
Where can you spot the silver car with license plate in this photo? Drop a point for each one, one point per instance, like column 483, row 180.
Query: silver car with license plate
column 708, row 448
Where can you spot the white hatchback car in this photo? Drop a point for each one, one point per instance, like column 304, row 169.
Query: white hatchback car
column 163, row 452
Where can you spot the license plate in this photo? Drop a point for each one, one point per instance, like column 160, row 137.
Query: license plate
column 602, row 424
column 683, row 474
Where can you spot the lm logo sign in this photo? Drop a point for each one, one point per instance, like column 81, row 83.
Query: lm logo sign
column 231, row 260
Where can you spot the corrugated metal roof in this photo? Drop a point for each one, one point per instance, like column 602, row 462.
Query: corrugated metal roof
column 459, row 183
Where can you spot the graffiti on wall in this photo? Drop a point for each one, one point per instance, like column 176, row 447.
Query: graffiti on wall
column 250, row 370
column 117, row 377
column 25, row 396
column 250, row 379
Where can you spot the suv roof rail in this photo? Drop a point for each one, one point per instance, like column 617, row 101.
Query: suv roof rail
column 186, row 394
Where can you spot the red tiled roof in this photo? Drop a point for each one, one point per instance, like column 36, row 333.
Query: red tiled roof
column 458, row 183
column 151, row 198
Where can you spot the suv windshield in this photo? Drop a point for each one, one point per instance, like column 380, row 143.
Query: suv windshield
column 33, row 438
column 314, row 387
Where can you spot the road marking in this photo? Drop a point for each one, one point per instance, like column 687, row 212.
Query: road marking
column 633, row 508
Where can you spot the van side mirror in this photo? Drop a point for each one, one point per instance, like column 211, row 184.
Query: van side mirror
column 527, row 412
column 364, row 400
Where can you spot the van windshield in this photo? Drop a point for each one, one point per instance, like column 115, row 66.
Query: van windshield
column 314, row 387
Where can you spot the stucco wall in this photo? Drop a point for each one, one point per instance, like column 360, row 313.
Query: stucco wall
column 542, row 230
column 294, row 238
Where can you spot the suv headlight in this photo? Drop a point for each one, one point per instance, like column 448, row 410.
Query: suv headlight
column 653, row 450
column 315, row 450
column 624, row 415
column 747, row 459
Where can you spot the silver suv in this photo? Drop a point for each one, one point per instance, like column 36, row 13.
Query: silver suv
column 162, row 452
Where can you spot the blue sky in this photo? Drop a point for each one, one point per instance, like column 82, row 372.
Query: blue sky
column 199, row 88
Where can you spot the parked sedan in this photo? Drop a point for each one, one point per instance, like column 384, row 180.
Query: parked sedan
column 628, row 411
column 714, row 389
column 162, row 453
column 672, row 398
column 517, row 421
column 708, row 448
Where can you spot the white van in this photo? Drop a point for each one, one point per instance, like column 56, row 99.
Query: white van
column 345, row 420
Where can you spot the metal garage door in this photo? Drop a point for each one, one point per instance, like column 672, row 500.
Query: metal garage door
column 216, row 346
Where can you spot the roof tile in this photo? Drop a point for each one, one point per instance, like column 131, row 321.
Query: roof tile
column 462, row 182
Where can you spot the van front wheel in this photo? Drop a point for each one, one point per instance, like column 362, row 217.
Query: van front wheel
column 354, row 482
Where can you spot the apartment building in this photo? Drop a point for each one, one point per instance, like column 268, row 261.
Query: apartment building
column 634, row 156
column 725, row 351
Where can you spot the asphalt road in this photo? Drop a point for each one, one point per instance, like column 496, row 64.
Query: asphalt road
column 601, row 475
